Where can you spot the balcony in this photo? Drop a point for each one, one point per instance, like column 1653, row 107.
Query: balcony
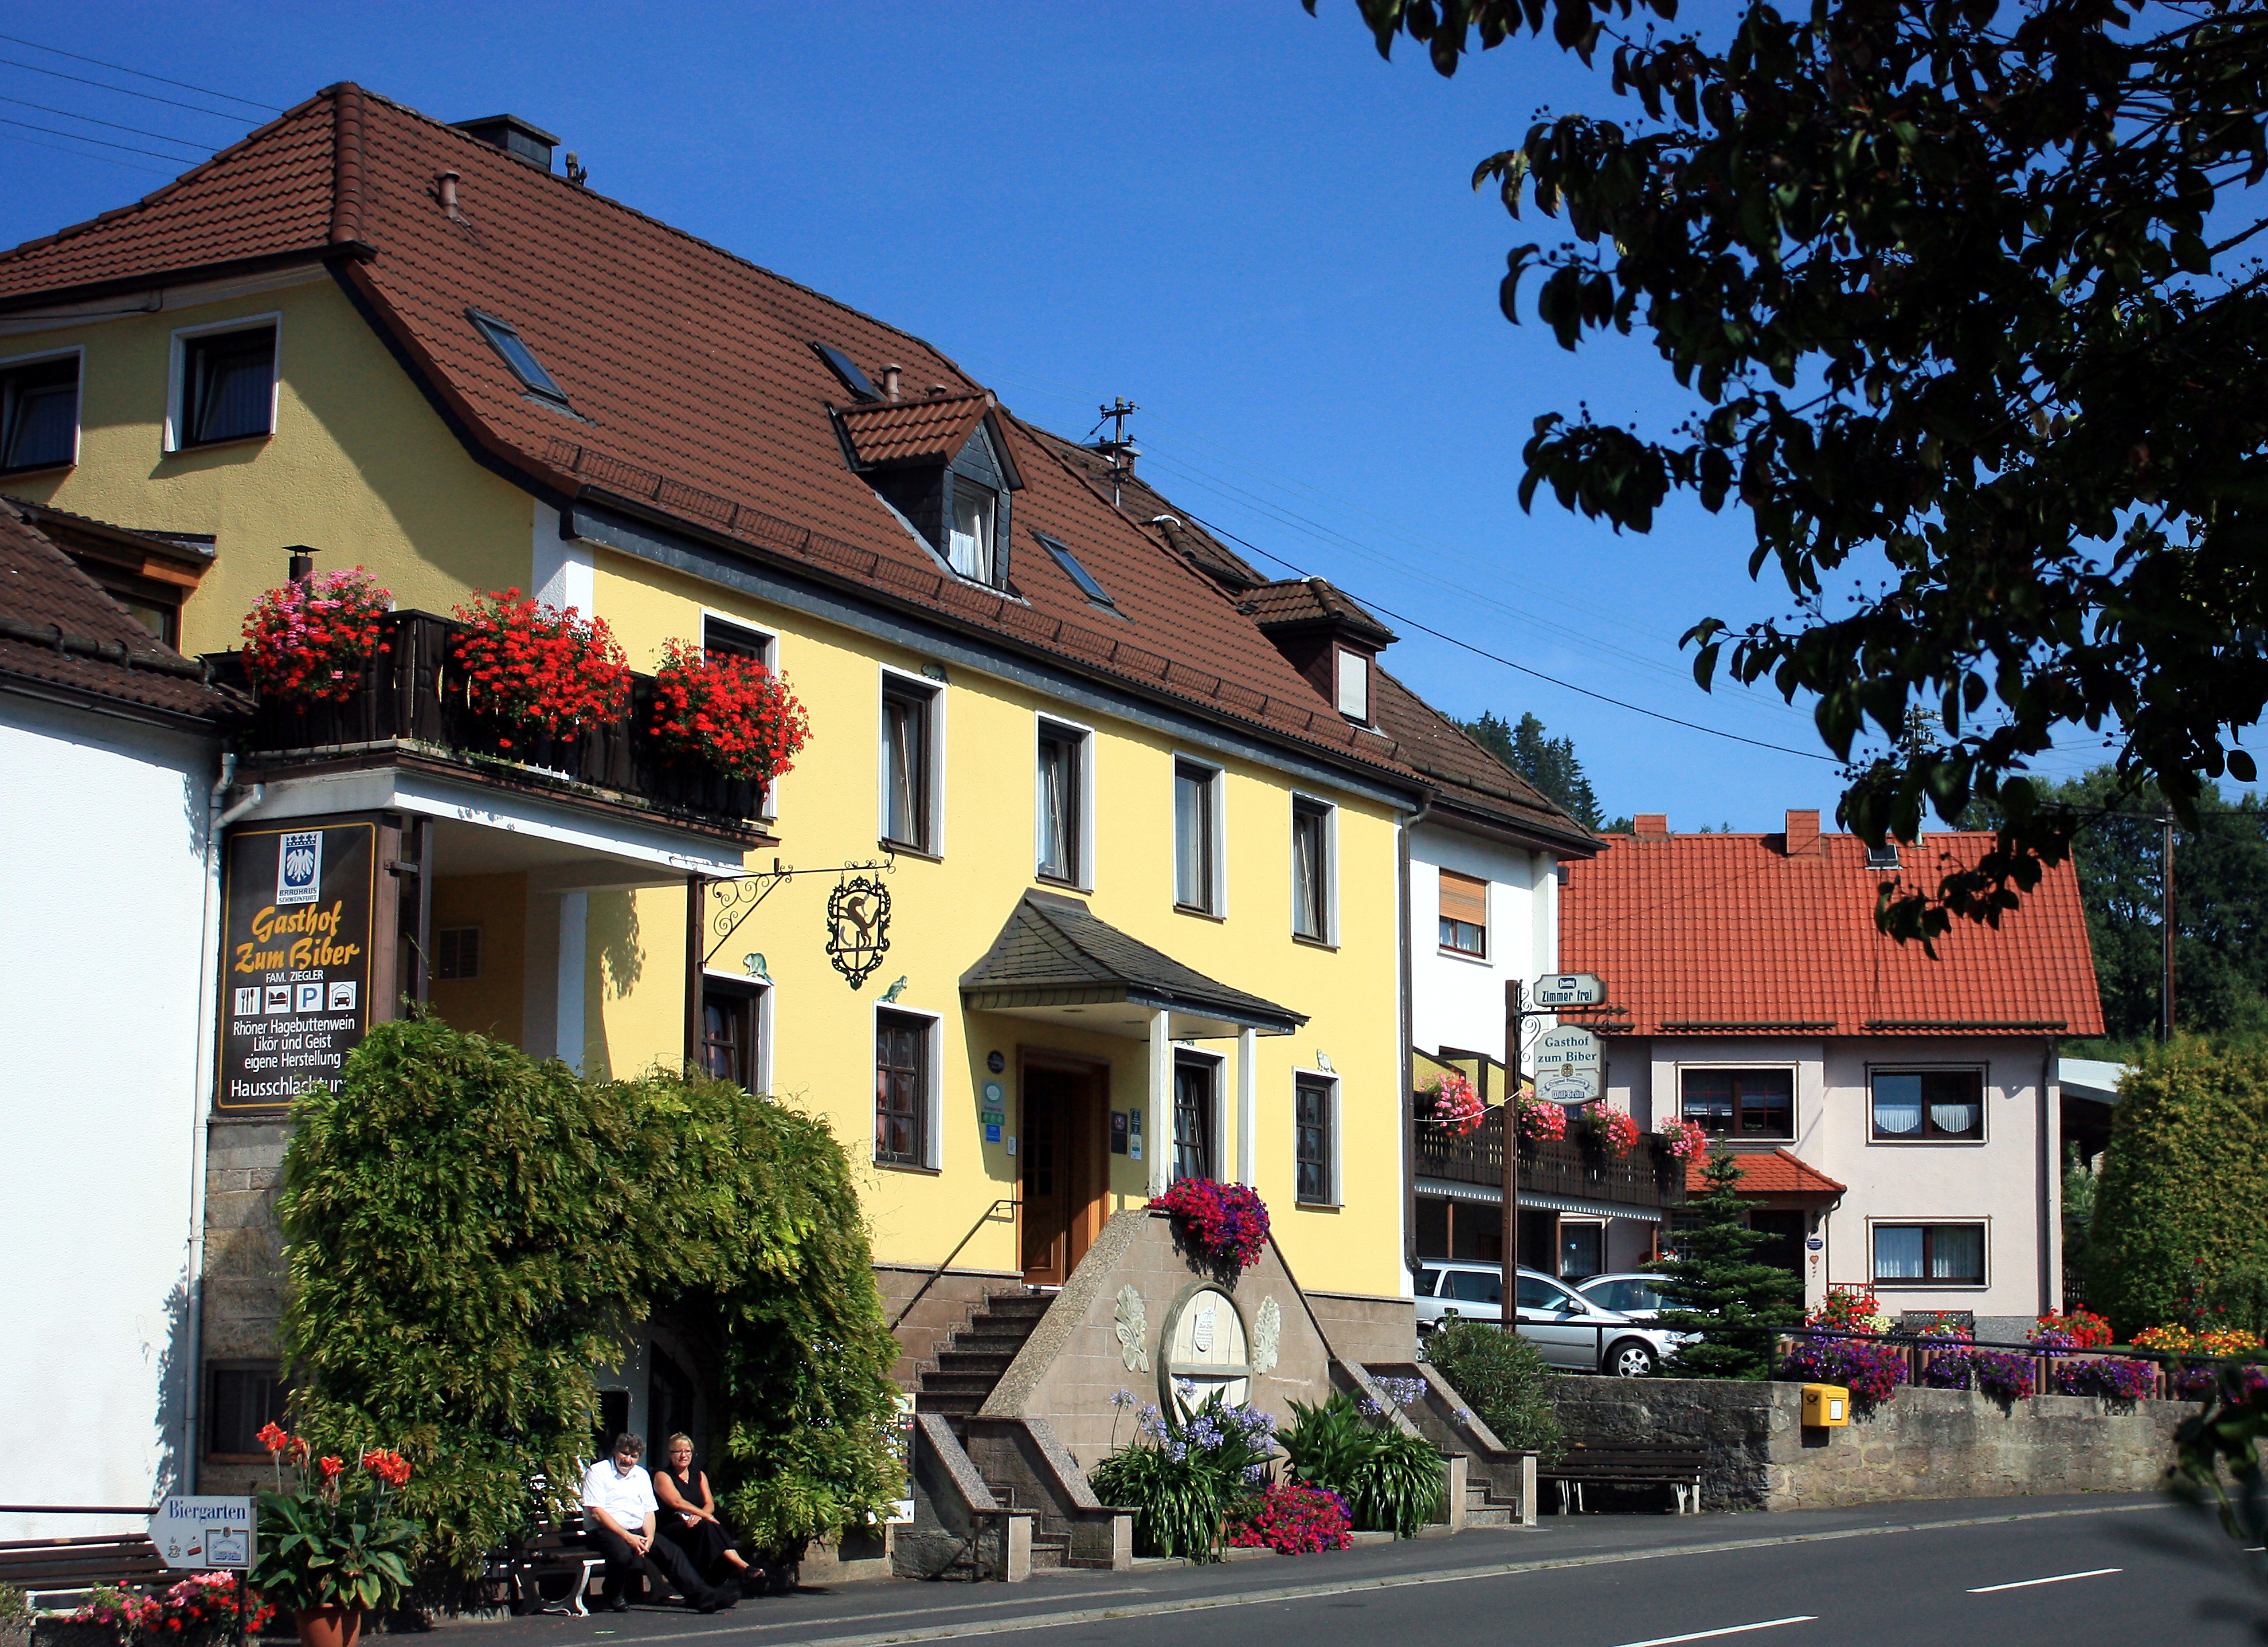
column 411, row 706
column 1644, row 1178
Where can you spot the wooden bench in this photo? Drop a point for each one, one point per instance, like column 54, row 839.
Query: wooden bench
column 1624, row 1464
column 69, row 1565
column 552, row 1552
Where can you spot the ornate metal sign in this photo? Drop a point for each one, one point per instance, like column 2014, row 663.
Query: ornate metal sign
column 858, row 928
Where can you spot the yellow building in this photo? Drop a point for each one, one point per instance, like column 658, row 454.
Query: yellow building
column 1137, row 833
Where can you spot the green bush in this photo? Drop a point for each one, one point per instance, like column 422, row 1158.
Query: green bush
column 2177, row 1213
column 470, row 1233
column 1714, row 1287
column 1185, row 1472
column 1391, row 1481
column 1503, row 1380
column 15, row 1609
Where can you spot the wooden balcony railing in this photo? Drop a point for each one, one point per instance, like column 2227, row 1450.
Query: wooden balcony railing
column 1646, row 1177
column 415, row 693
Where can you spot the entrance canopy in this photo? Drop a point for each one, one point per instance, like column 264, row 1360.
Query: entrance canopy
column 1055, row 961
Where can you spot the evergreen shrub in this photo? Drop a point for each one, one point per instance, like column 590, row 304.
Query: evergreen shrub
column 2178, row 1206
column 1715, row 1288
column 1504, row 1381
column 471, row 1233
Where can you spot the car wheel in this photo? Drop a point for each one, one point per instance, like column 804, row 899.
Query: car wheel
column 1631, row 1358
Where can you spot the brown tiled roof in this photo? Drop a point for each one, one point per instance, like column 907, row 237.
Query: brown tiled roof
column 1140, row 501
column 1469, row 778
column 57, row 627
column 1769, row 1173
column 1297, row 602
column 1731, row 934
column 696, row 394
column 884, row 432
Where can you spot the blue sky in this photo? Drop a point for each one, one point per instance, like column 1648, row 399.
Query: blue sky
column 1234, row 215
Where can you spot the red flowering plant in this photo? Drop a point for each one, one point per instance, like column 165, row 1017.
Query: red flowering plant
column 336, row 1543
column 730, row 712
column 1681, row 1139
column 1225, row 1224
column 1293, row 1519
column 536, row 668
column 201, row 1611
column 310, row 638
column 1849, row 1309
column 1457, row 1108
column 1614, row 1130
column 2080, row 1329
column 1540, row 1122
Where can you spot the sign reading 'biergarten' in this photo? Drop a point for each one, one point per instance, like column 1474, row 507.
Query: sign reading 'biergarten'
column 295, row 958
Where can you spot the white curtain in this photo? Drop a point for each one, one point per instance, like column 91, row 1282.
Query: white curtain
column 1897, row 1252
column 969, row 542
column 1897, row 1104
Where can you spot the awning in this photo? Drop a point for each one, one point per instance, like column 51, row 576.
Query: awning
column 1055, row 961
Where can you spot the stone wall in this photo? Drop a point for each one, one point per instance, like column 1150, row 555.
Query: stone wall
column 1365, row 1328
column 1923, row 1444
column 244, row 1270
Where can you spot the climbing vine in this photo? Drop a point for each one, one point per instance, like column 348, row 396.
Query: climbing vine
column 471, row 1233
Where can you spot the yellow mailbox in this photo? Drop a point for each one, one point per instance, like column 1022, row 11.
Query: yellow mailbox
column 1825, row 1405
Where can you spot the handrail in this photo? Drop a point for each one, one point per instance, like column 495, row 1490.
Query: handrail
column 986, row 1216
column 79, row 1510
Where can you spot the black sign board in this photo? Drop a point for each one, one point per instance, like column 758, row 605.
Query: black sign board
column 295, row 957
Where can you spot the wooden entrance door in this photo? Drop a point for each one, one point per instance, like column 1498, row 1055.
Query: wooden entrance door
column 1060, row 1154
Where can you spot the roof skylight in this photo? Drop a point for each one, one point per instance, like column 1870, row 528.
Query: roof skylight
column 506, row 341
column 847, row 368
column 1077, row 573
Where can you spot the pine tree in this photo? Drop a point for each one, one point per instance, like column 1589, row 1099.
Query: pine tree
column 1548, row 763
column 1714, row 1283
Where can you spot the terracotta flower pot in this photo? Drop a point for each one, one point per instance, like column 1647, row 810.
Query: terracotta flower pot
column 328, row 1627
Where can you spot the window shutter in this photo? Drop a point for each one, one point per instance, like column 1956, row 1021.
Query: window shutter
column 1464, row 898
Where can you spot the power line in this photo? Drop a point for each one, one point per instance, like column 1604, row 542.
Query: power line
column 203, row 90
column 56, row 131
column 1759, row 743
column 91, row 121
column 124, row 91
column 57, row 148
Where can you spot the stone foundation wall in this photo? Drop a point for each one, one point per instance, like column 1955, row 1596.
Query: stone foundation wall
column 1365, row 1328
column 244, row 1270
column 1923, row 1444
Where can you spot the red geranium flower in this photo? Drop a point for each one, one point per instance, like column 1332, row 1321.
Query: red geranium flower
column 731, row 712
column 311, row 638
column 533, row 665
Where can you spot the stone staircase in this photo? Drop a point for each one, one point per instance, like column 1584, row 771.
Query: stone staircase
column 976, row 1356
column 1486, row 1506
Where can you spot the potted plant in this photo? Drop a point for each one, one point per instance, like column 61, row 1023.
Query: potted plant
column 1457, row 1108
column 1613, row 1132
column 1540, row 1122
column 534, row 670
column 1224, row 1226
column 731, row 714
column 331, row 1551
column 308, row 640
column 1680, row 1140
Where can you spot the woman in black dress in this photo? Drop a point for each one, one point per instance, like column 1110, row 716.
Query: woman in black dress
column 687, row 1514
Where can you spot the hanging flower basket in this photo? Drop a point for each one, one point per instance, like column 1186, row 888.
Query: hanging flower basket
column 535, row 669
column 1614, row 1132
column 1540, row 1122
column 1682, row 1140
column 1457, row 1108
column 308, row 640
column 1225, row 1224
column 731, row 714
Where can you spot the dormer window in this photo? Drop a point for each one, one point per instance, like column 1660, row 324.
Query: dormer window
column 1354, row 685
column 970, row 545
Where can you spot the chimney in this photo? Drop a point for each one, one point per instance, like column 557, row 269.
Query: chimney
column 303, row 562
column 1651, row 825
column 514, row 135
column 445, row 190
column 1802, row 833
column 890, row 377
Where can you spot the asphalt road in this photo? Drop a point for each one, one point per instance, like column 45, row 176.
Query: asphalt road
column 2006, row 1572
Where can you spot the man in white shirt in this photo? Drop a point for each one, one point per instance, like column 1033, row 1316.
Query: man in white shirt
column 618, row 1517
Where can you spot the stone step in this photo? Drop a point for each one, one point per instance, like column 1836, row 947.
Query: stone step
column 1023, row 1305
column 1488, row 1515
column 986, row 1324
column 956, row 1359
column 999, row 1343
column 950, row 1403
column 1049, row 1553
column 946, row 1381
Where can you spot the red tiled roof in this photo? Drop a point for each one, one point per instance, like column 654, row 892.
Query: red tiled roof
column 1309, row 601
column 914, row 431
column 1729, row 934
column 1471, row 779
column 58, row 627
column 695, row 393
column 1767, row 1172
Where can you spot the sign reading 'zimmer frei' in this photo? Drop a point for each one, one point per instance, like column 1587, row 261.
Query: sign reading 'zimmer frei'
column 295, row 958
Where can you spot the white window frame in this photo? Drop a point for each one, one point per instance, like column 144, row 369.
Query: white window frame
column 767, row 645
column 934, row 1114
column 1083, row 876
column 1217, row 1065
column 1333, row 1136
column 78, row 352
column 1983, row 1074
column 176, row 378
column 989, row 544
column 1926, row 1284
column 765, row 992
column 1216, row 800
column 934, row 690
column 1345, row 655
column 1329, row 935
column 1487, row 957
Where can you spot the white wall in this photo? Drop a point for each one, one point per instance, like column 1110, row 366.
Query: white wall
column 101, row 935
column 1457, row 1001
column 2008, row 1181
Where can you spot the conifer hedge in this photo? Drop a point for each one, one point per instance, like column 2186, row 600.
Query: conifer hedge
column 2180, row 1213
column 470, row 1233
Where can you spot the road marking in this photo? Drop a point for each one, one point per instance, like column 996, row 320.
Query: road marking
column 1394, row 1581
column 2026, row 1583
column 1729, row 1629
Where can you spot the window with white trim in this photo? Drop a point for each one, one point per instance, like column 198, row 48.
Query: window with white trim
column 1927, row 1106
column 1059, row 822
column 1197, row 837
column 1311, row 869
column 1464, row 914
column 1354, row 685
column 909, row 764
column 904, row 1068
column 38, row 413
column 1929, row 1254
column 227, row 386
column 1315, row 1137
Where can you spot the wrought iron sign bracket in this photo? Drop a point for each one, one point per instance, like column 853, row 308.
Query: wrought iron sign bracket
column 734, row 898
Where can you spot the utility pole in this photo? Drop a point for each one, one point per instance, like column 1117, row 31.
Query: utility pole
column 2166, row 932
column 1515, row 1020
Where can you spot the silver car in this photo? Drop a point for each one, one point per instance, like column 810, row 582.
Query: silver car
column 1636, row 1295
column 1569, row 1331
